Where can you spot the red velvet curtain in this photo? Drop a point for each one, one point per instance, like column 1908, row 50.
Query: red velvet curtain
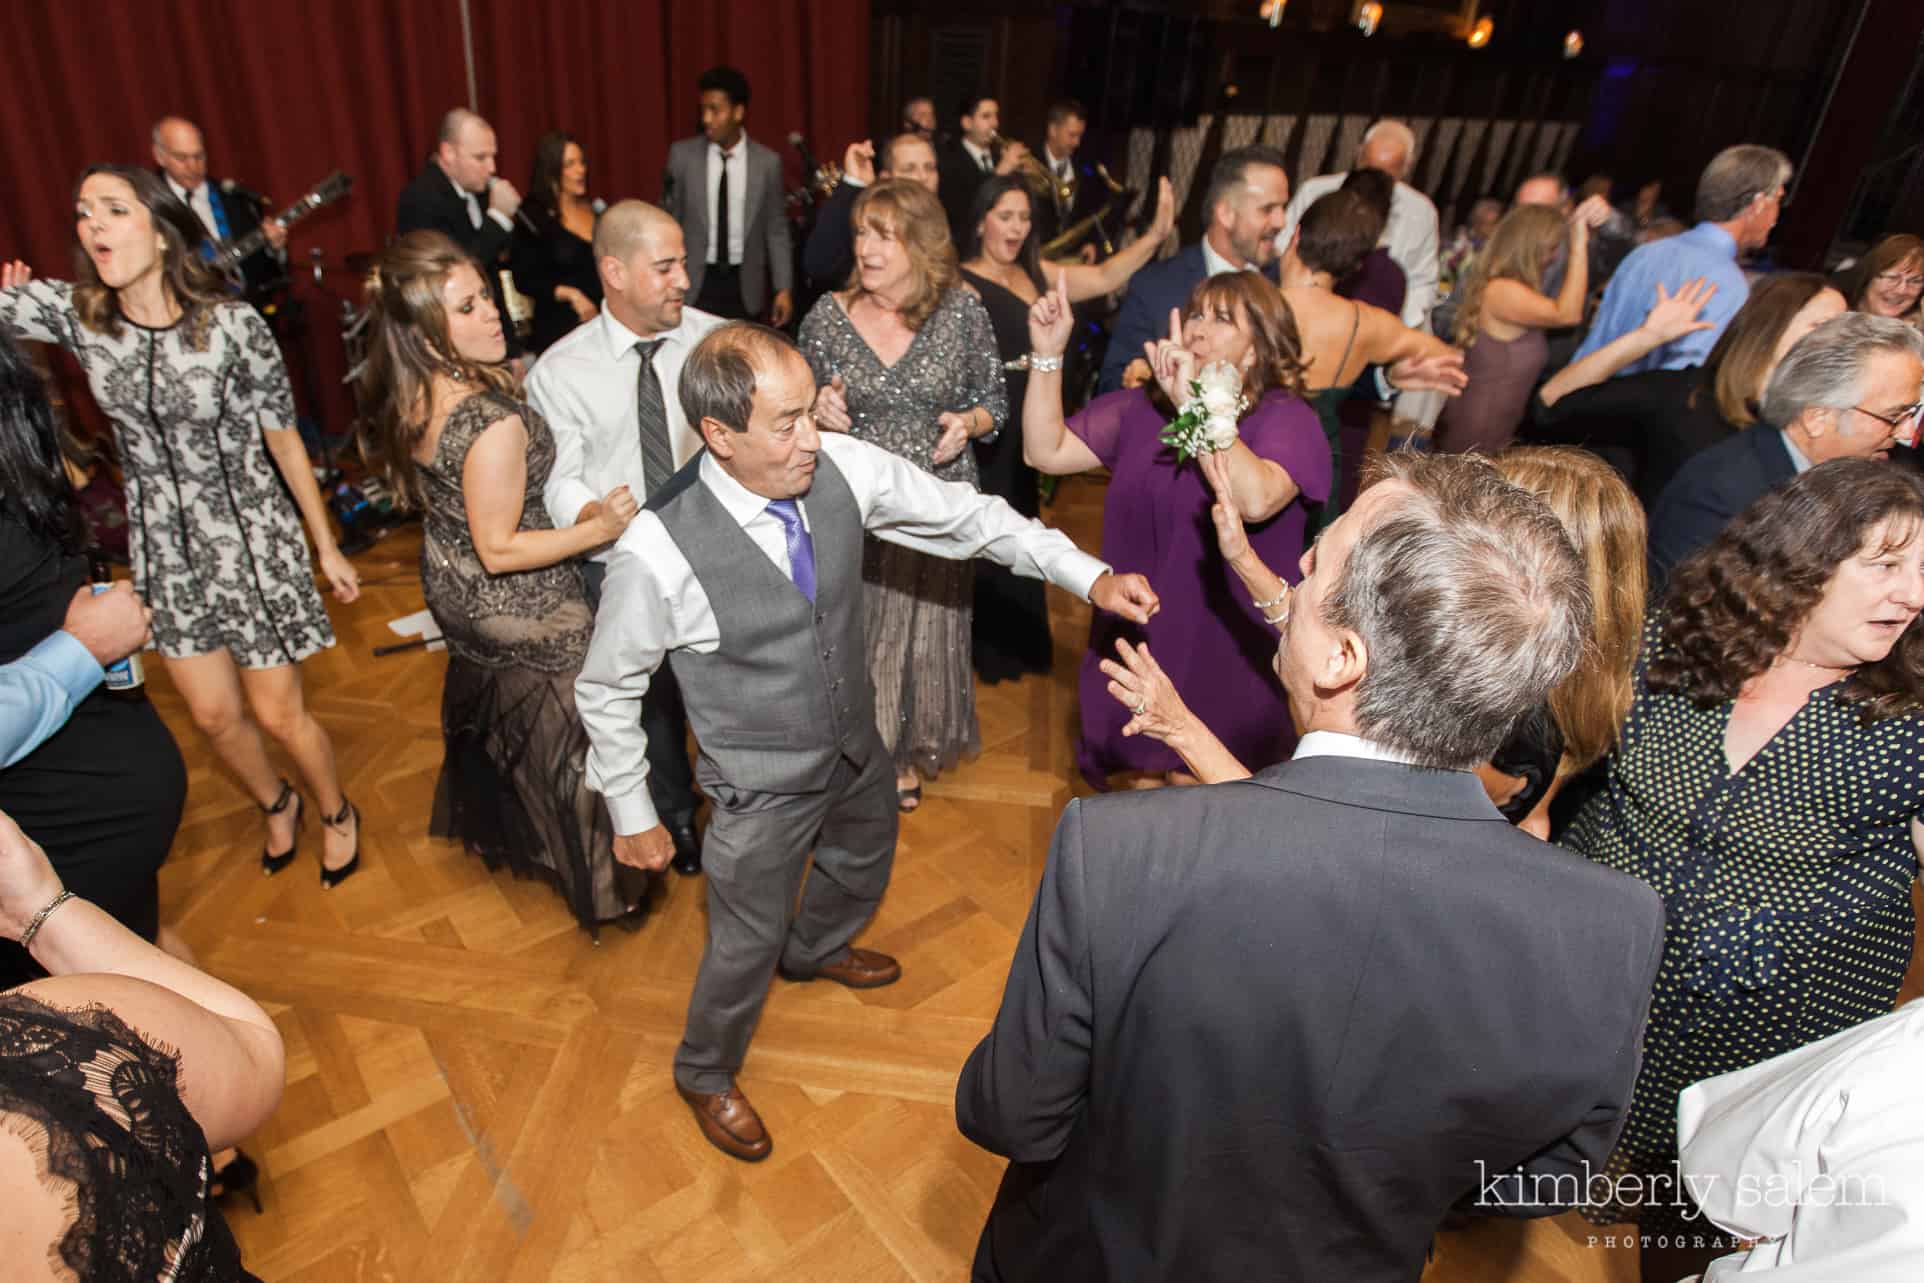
column 285, row 93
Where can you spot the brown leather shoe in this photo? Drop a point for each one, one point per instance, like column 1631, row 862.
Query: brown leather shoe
column 862, row 969
column 729, row 1123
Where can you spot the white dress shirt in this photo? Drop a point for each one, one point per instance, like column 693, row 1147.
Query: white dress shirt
column 652, row 603
column 473, row 202
column 1215, row 264
column 197, row 201
column 1410, row 236
column 1819, row 1153
column 737, row 199
column 585, row 387
column 983, row 157
column 1342, row 744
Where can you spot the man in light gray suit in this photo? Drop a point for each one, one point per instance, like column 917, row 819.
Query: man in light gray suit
column 726, row 192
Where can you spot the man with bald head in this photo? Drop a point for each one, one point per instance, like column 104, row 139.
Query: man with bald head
column 225, row 209
column 607, row 390
column 458, row 195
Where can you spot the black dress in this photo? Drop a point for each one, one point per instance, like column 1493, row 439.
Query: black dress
column 103, row 794
column 514, row 786
column 1654, row 421
column 542, row 259
column 102, row 1112
column 1010, row 635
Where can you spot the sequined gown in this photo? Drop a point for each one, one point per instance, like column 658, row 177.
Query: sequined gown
column 916, row 607
column 1786, row 888
column 217, row 544
column 514, row 784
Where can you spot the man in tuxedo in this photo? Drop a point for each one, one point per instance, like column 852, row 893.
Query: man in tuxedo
column 972, row 157
column 829, row 252
column 1248, row 191
column 1849, row 389
column 607, row 392
column 744, row 572
column 227, row 210
column 726, row 192
column 1279, row 1028
column 1074, row 190
column 458, row 195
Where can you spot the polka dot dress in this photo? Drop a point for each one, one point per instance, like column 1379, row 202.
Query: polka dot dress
column 1786, row 890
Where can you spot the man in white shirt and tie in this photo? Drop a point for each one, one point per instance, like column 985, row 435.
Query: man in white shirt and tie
column 745, row 573
column 607, row 390
column 181, row 153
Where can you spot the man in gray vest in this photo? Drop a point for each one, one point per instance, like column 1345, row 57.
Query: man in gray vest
column 745, row 572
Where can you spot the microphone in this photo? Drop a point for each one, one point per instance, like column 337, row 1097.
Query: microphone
column 520, row 211
column 809, row 167
column 598, row 205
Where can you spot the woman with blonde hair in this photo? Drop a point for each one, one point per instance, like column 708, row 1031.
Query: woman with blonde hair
column 1500, row 323
column 456, row 440
column 905, row 358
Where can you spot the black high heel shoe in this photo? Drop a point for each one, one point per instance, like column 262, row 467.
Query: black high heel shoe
column 241, row 1175
column 273, row 862
column 331, row 878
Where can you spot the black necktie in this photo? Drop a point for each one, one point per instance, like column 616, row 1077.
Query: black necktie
column 721, row 216
column 657, row 456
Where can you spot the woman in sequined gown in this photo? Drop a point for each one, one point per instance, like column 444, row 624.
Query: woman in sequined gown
column 504, row 586
column 908, row 359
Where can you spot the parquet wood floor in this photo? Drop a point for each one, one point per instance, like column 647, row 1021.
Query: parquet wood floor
column 476, row 1093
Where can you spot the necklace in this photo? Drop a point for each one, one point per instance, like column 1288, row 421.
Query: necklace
column 1828, row 668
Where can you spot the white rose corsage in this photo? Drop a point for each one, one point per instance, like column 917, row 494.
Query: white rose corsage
column 1207, row 422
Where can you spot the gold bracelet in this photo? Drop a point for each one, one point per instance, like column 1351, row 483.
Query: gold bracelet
column 40, row 918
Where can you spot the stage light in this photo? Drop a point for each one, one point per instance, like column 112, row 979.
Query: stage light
column 1573, row 44
column 1272, row 12
column 1368, row 17
column 1480, row 34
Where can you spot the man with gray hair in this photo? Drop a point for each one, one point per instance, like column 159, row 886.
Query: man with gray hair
column 1848, row 389
column 1278, row 1028
column 1738, row 199
column 1410, row 235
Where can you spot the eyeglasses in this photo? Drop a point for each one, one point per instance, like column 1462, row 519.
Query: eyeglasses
column 1907, row 282
column 1904, row 418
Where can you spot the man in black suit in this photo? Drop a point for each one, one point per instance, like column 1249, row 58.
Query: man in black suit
column 829, row 252
column 1248, row 192
column 227, row 210
column 971, row 157
column 1075, row 190
column 1849, row 389
column 1277, row 1029
column 458, row 194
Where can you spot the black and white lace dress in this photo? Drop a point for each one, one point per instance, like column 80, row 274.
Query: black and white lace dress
column 100, row 1108
column 217, row 544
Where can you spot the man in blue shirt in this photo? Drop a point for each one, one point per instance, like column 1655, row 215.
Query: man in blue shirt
column 40, row 690
column 1738, row 199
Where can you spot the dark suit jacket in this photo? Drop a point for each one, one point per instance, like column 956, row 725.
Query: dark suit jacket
column 259, row 270
column 768, row 253
column 961, row 176
column 1052, row 217
column 1709, row 490
column 1144, row 314
column 429, row 201
column 1276, row 1029
column 828, row 255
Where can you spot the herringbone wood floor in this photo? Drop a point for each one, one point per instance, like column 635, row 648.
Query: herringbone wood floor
column 477, row 1092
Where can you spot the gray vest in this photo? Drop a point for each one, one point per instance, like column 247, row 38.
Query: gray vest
column 787, row 691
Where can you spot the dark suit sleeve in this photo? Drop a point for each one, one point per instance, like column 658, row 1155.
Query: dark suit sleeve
column 491, row 240
column 781, row 240
column 830, row 248
column 531, row 259
column 1615, row 412
column 1135, row 325
column 671, row 192
column 1022, row 1089
column 1691, row 512
column 416, row 211
column 1554, row 1179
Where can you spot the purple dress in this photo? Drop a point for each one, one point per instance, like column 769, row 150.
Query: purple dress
column 1208, row 637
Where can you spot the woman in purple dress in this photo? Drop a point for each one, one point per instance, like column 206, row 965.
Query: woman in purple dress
column 1156, row 519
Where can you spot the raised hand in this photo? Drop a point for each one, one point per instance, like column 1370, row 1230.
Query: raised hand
column 1165, row 212
column 1442, row 373
column 1139, row 685
column 616, row 510
column 503, row 197
column 1127, row 595
column 1595, row 211
column 1231, row 539
column 1675, row 315
column 1172, row 364
column 1013, row 154
column 14, row 274
column 1052, row 320
column 831, row 406
column 858, row 162
column 955, row 434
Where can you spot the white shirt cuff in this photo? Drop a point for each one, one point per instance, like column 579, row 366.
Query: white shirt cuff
column 1079, row 573
column 507, row 224
column 633, row 814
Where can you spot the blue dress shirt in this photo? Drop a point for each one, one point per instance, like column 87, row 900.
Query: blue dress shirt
column 40, row 690
column 1706, row 250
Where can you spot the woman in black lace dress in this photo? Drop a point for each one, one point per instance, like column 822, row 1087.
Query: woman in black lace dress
column 503, row 584
column 117, row 1074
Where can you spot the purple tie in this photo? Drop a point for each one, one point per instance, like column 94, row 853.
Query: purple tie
column 801, row 548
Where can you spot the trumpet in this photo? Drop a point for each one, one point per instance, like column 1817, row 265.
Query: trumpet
column 1034, row 176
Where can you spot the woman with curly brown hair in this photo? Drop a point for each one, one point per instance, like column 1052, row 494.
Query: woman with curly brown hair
column 1156, row 514
column 1768, row 786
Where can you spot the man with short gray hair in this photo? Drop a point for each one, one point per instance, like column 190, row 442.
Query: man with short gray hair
column 1739, row 196
column 1848, row 389
column 1278, row 1028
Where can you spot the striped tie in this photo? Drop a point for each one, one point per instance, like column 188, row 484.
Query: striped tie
column 657, row 456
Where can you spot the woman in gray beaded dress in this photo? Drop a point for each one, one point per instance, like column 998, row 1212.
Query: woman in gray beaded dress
column 907, row 360
column 218, row 487
column 504, row 585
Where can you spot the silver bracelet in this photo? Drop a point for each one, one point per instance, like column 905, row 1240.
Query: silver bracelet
column 1278, row 600
column 40, row 918
column 1040, row 364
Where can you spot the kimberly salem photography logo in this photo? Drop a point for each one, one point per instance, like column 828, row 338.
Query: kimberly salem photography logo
column 1789, row 1186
